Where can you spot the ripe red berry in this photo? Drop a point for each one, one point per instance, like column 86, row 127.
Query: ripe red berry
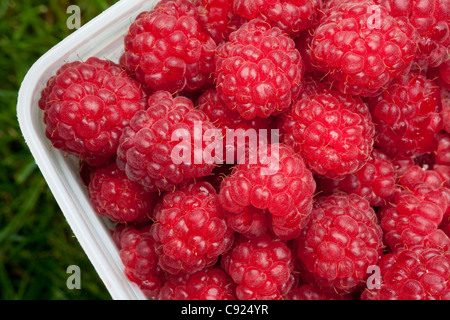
column 375, row 181
column 407, row 116
column 415, row 273
column 290, row 16
column 414, row 216
column 273, row 179
column 258, row 71
column 261, row 267
column 217, row 18
column 333, row 132
column 86, row 106
column 189, row 229
column 361, row 47
column 342, row 239
column 137, row 252
column 208, row 284
column 167, row 48
column 431, row 18
column 118, row 198
column 160, row 148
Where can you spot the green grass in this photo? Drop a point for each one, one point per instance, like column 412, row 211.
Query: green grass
column 36, row 243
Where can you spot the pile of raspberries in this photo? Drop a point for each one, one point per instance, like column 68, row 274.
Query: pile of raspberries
column 348, row 200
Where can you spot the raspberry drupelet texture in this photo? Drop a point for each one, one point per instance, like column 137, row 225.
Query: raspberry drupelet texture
column 238, row 134
column 431, row 18
column 445, row 113
column 333, row 132
column 361, row 47
column 207, row 284
column 217, row 18
column 274, row 179
column 261, row 267
column 309, row 292
column 416, row 273
column 258, row 71
column 190, row 232
column 375, row 181
column 137, row 252
column 167, row 49
column 291, row 16
column 115, row 196
column 86, row 106
column 441, row 157
column 413, row 217
column 342, row 239
column 159, row 148
column 407, row 116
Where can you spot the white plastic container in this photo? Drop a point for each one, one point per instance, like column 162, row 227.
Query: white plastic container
column 102, row 37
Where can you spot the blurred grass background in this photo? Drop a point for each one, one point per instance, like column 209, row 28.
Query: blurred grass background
column 36, row 243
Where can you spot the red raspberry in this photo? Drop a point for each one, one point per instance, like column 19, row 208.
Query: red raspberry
column 309, row 292
column 445, row 113
column 230, row 122
column 189, row 229
column 261, row 267
column 361, row 47
column 208, row 284
column 217, row 18
column 416, row 273
column 118, row 198
column 273, row 179
column 137, row 252
column 148, row 146
column 167, row 48
column 431, row 18
column 414, row 216
column 442, row 157
column 250, row 222
column 86, row 106
column 291, row 16
column 375, row 181
column 333, row 132
column 407, row 116
column 340, row 242
column 258, row 71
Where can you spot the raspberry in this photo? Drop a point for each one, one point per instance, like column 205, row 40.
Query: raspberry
column 431, row 18
column 361, row 47
column 217, row 18
column 309, row 292
column 340, row 242
column 375, row 181
column 208, row 284
column 250, row 222
column 118, row 198
column 273, row 179
column 261, row 267
column 416, row 273
column 189, row 229
column 258, row 71
column 291, row 16
column 230, row 122
column 86, row 106
column 442, row 157
column 414, row 216
column 167, row 48
column 445, row 100
column 137, row 252
column 333, row 132
column 407, row 117
column 148, row 146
